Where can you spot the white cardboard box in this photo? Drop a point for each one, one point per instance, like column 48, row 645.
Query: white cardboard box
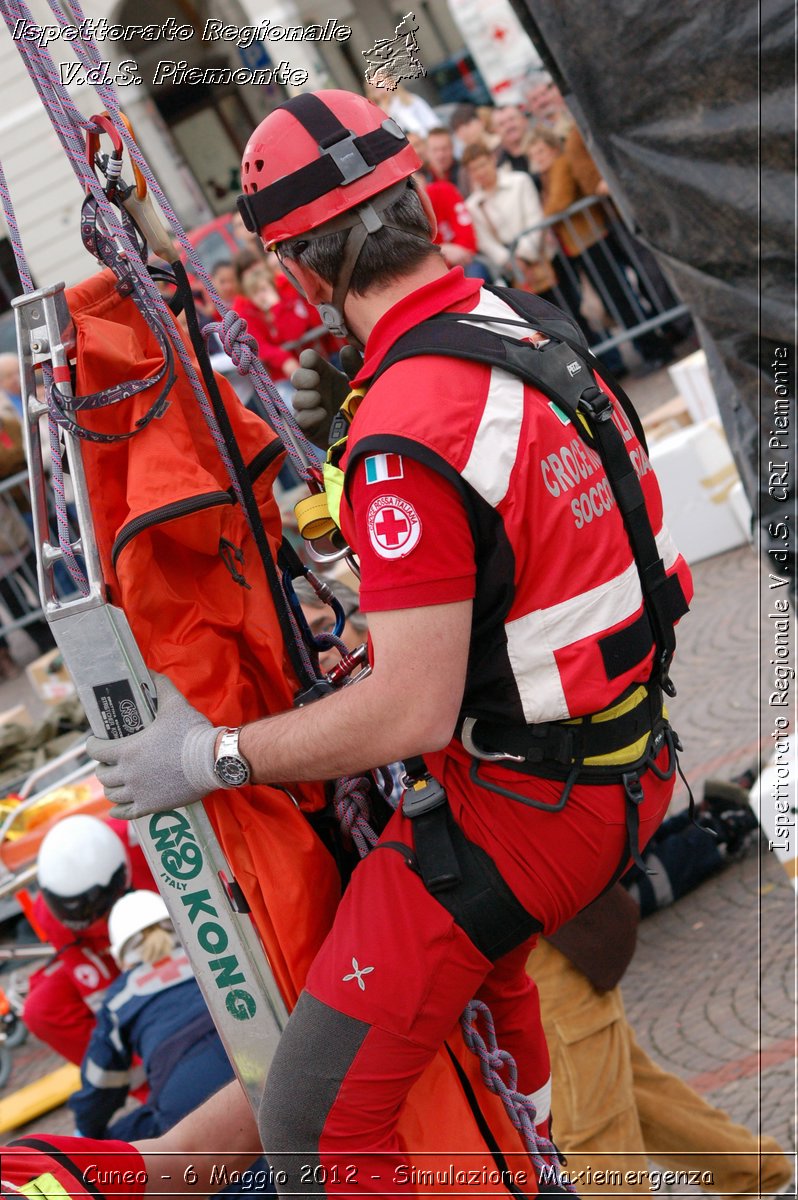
column 690, row 377
column 742, row 510
column 697, row 475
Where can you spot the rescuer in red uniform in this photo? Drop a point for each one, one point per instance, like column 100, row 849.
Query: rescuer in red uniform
column 505, row 608
column 84, row 866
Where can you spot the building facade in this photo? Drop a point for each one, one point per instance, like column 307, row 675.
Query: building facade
column 190, row 113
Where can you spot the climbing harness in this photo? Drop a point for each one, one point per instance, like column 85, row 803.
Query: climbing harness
column 614, row 746
column 618, row 744
column 562, row 369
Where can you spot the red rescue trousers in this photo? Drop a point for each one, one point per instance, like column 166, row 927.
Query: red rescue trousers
column 395, row 972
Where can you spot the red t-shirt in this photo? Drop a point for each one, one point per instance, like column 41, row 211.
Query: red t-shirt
column 412, row 535
column 454, row 219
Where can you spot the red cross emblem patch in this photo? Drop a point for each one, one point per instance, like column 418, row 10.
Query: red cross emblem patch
column 394, row 526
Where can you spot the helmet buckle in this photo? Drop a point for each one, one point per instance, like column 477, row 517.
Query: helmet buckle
column 348, row 159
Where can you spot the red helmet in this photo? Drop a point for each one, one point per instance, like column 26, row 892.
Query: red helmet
column 317, row 156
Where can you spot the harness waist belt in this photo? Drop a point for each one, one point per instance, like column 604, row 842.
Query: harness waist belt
column 567, row 742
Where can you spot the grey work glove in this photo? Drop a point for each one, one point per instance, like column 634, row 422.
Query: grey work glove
column 321, row 390
column 168, row 764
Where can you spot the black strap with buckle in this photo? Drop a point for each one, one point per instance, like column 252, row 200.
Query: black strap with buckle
column 459, row 874
column 425, row 804
column 560, row 744
column 563, row 371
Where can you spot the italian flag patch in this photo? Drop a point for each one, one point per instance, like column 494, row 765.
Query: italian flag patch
column 380, row 467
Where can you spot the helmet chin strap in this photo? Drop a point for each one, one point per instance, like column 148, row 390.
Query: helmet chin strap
column 361, row 222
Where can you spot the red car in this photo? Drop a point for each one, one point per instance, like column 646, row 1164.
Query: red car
column 219, row 240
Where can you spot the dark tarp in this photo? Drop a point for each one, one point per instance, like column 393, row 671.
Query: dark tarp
column 689, row 109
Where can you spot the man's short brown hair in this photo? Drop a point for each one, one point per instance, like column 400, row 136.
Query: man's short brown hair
column 474, row 151
column 462, row 115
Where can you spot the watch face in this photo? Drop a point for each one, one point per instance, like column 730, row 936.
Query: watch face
column 232, row 771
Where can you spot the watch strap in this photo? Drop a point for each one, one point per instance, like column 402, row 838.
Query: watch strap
column 228, row 748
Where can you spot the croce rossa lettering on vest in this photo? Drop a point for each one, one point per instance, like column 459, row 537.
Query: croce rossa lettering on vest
column 565, row 471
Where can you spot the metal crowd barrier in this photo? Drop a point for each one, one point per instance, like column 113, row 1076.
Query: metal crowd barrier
column 636, row 296
column 19, row 590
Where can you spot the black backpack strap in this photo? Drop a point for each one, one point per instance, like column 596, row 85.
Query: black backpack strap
column 562, row 371
column 549, row 319
column 539, row 313
column 528, row 305
column 457, row 872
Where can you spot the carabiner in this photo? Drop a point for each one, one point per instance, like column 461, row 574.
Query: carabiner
column 113, row 165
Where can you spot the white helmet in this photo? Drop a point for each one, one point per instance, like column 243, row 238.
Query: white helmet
column 83, row 868
column 130, row 915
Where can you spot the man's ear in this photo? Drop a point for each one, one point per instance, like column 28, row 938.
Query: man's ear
column 426, row 204
column 311, row 285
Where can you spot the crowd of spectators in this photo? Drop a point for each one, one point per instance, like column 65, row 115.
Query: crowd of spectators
column 497, row 178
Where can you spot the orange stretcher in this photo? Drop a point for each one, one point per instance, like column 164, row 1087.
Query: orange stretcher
column 168, row 530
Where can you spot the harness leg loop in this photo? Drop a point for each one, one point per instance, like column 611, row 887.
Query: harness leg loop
column 634, row 798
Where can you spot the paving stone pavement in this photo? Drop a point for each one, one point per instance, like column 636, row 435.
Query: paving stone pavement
column 713, row 977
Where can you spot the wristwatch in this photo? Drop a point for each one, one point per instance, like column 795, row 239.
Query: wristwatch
column 230, row 767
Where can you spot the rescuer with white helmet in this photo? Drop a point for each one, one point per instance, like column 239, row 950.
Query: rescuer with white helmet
column 83, row 869
column 153, row 1014
column 130, row 917
column 84, row 866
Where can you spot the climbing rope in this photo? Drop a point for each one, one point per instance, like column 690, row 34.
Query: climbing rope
column 353, row 811
column 71, row 127
column 114, row 229
column 297, row 445
column 520, row 1108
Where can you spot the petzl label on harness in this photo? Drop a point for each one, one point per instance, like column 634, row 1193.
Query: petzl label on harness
column 117, row 708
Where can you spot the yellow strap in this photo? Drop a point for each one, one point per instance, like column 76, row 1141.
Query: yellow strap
column 334, row 488
column 352, row 403
column 620, row 758
column 320, row 515
column 45, row 1186
column 626, row 754
column 313, row 517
